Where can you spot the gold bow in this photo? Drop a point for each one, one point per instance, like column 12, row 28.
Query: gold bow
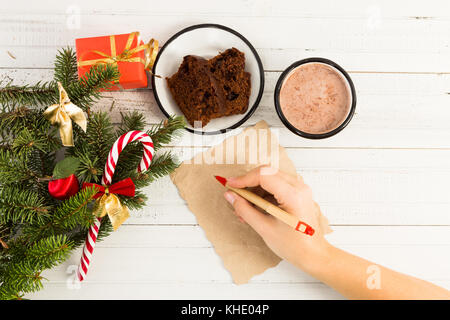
column 62, row 114
column 110, row 204
column 150, row 53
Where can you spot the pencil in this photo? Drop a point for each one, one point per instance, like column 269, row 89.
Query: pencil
column 270, row 208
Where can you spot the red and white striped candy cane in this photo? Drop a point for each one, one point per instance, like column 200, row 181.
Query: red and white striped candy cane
column 110, row 166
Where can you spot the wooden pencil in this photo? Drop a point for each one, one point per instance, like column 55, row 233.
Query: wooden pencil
column 270, row 208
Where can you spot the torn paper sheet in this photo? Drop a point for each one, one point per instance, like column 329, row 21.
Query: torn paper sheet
column 242, row 250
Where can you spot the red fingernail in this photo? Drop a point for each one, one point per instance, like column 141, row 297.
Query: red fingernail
column 222, row 180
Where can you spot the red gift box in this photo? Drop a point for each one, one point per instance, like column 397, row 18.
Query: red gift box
column 127, row 51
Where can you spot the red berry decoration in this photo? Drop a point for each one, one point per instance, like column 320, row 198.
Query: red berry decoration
column 64, row 188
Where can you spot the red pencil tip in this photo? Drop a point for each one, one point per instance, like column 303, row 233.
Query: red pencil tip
column 222, row 180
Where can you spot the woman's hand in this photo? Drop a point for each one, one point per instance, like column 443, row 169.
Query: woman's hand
column 293, row 196
column 343, row 271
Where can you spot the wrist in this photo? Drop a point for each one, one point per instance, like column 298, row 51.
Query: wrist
column 316, row 258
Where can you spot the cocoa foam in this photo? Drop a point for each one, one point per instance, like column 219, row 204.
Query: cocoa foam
column 315, row 98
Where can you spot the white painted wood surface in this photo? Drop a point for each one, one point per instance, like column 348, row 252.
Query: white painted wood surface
column 383, row 181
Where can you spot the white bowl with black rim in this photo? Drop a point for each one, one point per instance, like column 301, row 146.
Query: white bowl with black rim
column 207, row 41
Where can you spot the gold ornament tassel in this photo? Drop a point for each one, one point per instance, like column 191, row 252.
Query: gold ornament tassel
column 62, row 115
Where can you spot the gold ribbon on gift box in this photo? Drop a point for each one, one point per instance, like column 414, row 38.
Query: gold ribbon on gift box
column 150, row 52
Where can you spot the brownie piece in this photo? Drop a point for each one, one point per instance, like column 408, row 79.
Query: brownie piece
column 228, row 69
column 205, row 90
column 195, row 90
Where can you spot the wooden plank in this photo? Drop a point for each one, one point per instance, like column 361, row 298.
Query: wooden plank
column 154, row 253
column 355, row 44
column 353, row 186
column 340, row 213
column 393, row 111
column 186, row 290
column 290, row 8
column 197, row 290
column 152, row 256
column 148, row 236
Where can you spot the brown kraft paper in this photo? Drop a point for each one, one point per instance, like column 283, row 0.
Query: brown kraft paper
column 242, row 250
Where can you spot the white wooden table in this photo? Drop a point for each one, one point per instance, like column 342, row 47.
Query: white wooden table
column 383, row 181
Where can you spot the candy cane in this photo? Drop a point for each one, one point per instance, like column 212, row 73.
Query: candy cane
column 110, row 167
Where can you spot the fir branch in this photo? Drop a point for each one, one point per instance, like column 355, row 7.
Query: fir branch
column 36, row 231
column 49, row 252
column 90, row 169
column 131, row 121
column 87, row 90
column 5, row 233
column 167, row 131
column 78, row 238
column 97, row 140
column 21, row 276
column 18, row 205
column 41, row 93
column 65, row 69
column 27, row 140
column 14, row 169
column 13, row 121
column 131, row 156
column 136, row 202
column 161, row 166
column 71, row 214
column 7, row 293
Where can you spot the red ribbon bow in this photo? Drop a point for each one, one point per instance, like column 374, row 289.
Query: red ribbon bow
column 124, row 187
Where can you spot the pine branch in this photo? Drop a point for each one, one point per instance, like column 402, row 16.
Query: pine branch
column 37, row 231
column 71, row 214
column 136, row 202
column 65, row 69
column 90, row 169
column 167, row 131
column 18, row 205
column 78, row 238
column 160, row 166
column 74, row 211
column 27, row 141
column 14, row 122
column 21, row 276
column 14, row 169
column 131, row 121
column 49, row 252
column 97, row 140
column 5, row 233
column 87, row 90
column 7, row 293
column 39, row 94
column 161, row 134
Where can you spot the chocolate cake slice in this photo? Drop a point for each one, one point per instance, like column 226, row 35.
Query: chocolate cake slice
column 195, row 90
column 228, row 69
column 205, row 90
